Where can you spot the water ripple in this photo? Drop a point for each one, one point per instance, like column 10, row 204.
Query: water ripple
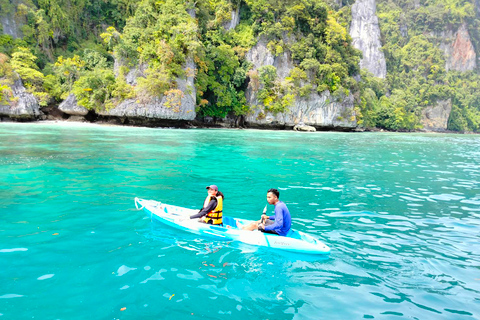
column 402, row 225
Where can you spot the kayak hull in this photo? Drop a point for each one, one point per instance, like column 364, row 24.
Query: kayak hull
column 178, row 217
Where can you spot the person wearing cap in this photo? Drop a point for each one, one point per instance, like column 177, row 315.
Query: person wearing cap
column 212, row 207
column 279, row 224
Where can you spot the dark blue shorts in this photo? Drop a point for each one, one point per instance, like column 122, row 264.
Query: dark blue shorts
column 268, row 223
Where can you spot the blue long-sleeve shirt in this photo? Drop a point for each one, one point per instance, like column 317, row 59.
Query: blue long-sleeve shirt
column 283, row 220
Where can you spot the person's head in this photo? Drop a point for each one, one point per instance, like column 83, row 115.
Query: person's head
column 212, row 190
column 272, row 196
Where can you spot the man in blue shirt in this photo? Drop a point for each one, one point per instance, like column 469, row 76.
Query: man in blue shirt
column 280, row 223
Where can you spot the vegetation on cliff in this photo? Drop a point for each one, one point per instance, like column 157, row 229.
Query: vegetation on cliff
column 72, row 47
column 412, row 36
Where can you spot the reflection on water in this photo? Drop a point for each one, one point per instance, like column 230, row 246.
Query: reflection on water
column 400, row 212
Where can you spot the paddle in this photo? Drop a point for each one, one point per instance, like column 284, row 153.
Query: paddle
column 240, row 225
column 264, row 212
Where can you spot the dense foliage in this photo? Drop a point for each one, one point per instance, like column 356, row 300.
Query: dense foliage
column 75, row 44
column 72, row 46
column 412, row 35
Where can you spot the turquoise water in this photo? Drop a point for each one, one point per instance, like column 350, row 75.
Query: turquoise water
column 401, row 213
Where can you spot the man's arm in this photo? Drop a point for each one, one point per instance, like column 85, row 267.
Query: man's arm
column 210, row 206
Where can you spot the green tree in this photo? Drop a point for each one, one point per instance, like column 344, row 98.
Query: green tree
column 23, row 62
column 94, row 88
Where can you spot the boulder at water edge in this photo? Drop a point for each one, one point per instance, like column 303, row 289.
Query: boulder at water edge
column 71, row 107
column 303, row 127
column 23, row 106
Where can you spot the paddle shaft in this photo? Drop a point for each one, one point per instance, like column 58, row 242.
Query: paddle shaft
column 264, row 212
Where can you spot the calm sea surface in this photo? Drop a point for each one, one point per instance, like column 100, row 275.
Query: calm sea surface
column 401, row 213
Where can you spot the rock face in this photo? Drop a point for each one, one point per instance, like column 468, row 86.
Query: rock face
column 302, row 127
column 24, row 105
column 435, row 118
column 460, row 55
column 365, row 34
column 315, row 110
column 234, row 21
column 319, row 110
column 10, row 26
column 133, row 73
column 70, row 106
column 180, row 106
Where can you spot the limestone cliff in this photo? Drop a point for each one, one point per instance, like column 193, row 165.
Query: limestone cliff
column 133, row 73
column 11, row 23
column 435, row 118
column 460, row 54
column 234, row 19
column 315, row 110
column 178, row 107
column 23, row 106
column 365, row 34
column 71, row 107
column 319, row 110
column 10, row 26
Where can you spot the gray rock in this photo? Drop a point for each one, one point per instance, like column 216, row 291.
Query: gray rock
column 303, row 127
column 133, row 72
column 234, row 21
column 320, row 110
column 117, row 63
column 365, row 34
column 259, row 55
column 25, row 105
column 404, row 30
column 435, row 118
column 10, row 26
column 192, row 12
column 160, row 108
column 71, row 107
column 460, row 54
column 445, row 39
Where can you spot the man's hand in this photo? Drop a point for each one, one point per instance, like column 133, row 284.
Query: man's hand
column 264, row 218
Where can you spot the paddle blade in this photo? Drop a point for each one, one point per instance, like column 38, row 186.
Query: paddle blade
column 265, row 209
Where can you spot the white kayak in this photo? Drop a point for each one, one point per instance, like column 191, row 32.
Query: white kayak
column 178, row 217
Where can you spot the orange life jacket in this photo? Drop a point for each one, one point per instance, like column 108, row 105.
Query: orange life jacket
column 216, row 214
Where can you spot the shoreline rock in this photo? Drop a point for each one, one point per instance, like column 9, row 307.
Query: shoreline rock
column 320, row 110
column 24, row 107
column 196, row 124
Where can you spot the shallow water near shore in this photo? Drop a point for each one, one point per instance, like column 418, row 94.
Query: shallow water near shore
column 401, row 213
